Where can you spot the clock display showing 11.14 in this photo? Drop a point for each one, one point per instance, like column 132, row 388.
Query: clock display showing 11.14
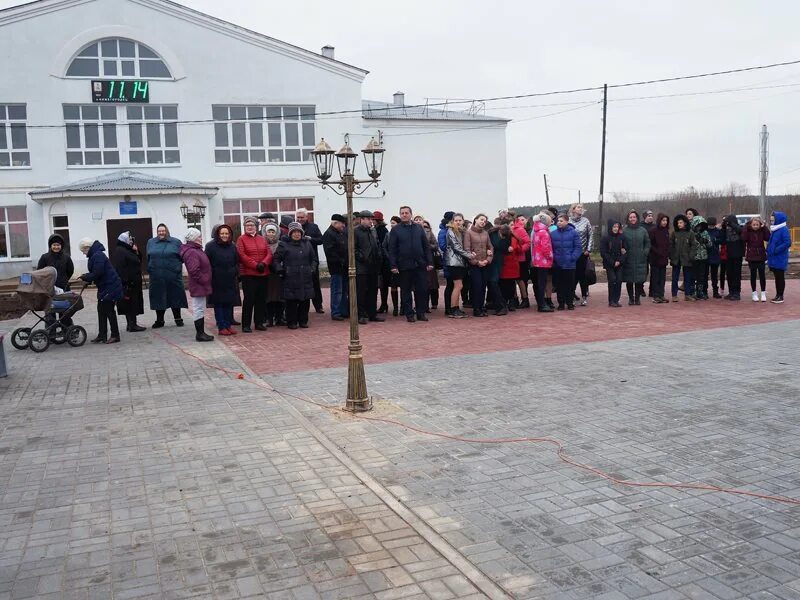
column 121, row 90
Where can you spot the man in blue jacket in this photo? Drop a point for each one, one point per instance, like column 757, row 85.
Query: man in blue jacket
column 410, row 256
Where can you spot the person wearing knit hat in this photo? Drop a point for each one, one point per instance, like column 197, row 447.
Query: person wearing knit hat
column 295, row 261
column 255, row 257
column 274, row 292
column 127, row 261
column 109, row 289
column 334, row 242
column 59, row 259
column 198, row 268
column 385, row 274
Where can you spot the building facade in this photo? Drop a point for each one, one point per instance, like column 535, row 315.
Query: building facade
column 114, row 113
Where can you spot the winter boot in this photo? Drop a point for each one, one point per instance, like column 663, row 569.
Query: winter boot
column 395, row 303
column 202, row 336
column 526, row 303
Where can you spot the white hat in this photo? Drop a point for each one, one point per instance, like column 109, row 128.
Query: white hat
column 192, row 234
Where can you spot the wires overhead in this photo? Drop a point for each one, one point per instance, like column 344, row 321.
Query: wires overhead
column 351, row 113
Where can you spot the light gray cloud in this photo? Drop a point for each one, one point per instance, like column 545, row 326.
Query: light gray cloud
column 478, row 49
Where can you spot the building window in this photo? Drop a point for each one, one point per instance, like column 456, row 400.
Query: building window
column 14, row 232
column 61, row 227
column 117, row 57
column 261, row 134
column 236, row 210
column 91, row 134
column 153, row 135
column 14, row 136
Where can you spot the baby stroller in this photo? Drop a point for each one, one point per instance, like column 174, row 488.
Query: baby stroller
column 36, row 292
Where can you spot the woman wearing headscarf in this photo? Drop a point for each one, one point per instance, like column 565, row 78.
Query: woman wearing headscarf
column 109, row 289
column 165, row 269
column 127, row 261
column 295, row 261
column 60, row 260
column 198, row 268
column 224, row 261
column 255, row 257
column 637, row 252
column 275, row 305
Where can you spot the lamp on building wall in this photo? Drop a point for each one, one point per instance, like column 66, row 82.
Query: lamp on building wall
column 199, row 209
column 357, row 398
column 194, row 213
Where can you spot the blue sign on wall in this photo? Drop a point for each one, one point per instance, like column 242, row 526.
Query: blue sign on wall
column 127, row 208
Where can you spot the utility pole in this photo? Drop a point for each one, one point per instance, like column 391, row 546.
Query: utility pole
column 762, row 200
column 546, row 191
column 579, row 196
column 603, row 160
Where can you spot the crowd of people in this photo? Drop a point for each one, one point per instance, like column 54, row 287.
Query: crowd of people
column 272, row 269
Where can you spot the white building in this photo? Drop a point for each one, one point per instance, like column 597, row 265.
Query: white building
column 113, row 113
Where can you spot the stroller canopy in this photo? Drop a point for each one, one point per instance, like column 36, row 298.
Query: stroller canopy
column 37, row 288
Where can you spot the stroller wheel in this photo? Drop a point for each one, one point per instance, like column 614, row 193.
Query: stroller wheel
column 39, row 340
column 20, row 338
column 59, row 334
column 76, row 336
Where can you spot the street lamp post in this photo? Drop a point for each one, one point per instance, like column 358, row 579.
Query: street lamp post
column 357, row 398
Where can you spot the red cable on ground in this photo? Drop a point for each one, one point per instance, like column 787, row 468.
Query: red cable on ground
column 560, row 451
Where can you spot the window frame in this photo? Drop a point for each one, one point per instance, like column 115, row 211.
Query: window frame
column 161, row 123
column 305, row 115
column 123, row 135
column 62, row 230
column 136, row 59
column 7, row 125
column 5, row 224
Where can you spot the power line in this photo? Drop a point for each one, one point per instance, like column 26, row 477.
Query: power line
column 388, row 108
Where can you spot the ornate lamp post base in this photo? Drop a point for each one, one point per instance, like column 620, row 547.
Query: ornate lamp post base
column 357, row 398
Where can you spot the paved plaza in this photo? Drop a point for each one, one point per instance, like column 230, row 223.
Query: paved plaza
column 140, row 471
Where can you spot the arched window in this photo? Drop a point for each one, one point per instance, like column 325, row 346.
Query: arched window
column 118, row 57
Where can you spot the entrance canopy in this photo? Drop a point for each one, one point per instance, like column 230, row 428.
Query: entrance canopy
column 123, row 183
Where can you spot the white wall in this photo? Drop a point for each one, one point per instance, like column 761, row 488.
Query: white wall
column 439, row 166
column 463, row 171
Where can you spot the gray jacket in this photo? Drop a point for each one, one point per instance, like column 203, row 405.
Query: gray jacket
column 454, row 254
column 585, row 231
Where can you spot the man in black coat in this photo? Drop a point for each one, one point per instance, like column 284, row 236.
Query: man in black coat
column 368, row 264
column 381, row 230
column 410, row 256
column 312, row 233
column 334, row 242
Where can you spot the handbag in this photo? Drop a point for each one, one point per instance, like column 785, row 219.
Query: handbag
column 437, row 259
column 590, row 274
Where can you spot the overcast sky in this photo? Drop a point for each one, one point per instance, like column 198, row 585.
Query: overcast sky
column 478, row 49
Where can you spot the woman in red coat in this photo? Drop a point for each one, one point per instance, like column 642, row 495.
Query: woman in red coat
column 255, row 257
column 510, row 272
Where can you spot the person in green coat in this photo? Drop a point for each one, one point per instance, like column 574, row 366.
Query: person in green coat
column 682, row 247
column 634, row 270
column 500, row 237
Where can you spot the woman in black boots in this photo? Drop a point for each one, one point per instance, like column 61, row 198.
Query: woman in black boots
column 127, row 261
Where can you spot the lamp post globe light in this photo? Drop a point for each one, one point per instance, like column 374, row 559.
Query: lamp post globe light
column 358, row 399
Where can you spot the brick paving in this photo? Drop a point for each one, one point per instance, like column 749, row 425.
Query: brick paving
column 716, row 406
column 324, row 344
column 132, row 471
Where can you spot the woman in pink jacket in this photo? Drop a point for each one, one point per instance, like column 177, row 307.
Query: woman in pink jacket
column 541, row 258
column 524, row 238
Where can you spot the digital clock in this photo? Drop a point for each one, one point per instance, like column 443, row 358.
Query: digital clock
column 120, row 90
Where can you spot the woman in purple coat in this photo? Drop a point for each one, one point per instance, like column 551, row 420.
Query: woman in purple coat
column 199, row 269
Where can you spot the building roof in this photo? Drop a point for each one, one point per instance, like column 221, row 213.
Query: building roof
column 36, row 7
column 121, row 182
column 373, row 109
